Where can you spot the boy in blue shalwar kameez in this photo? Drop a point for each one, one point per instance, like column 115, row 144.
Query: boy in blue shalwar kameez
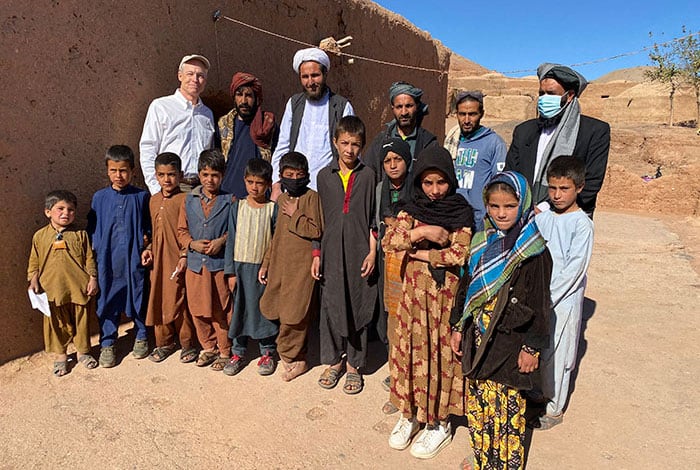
column 117, row 223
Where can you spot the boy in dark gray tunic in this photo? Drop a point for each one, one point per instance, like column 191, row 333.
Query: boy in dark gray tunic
column 347, row 257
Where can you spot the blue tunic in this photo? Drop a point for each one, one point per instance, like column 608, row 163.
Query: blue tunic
column 242, row 150
column 117, row 223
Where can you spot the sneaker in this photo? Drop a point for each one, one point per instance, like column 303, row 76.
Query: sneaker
column 431, row 441
column 402, row 433
column 140, row 350
column 108, row 357
column 234, row 366
column 266, row 364
column 549, row 421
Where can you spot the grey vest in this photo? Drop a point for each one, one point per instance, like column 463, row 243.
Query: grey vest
column 336, row 106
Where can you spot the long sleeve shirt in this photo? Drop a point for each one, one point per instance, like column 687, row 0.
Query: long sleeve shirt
column 173, row 124
column 314, row 139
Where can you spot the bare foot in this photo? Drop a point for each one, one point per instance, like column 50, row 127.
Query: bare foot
column 294, row 370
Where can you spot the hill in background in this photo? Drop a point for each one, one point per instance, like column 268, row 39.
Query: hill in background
column 632, row 74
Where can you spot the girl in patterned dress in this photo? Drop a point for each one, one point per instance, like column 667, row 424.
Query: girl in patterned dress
column 435, row 230
column 503, row 324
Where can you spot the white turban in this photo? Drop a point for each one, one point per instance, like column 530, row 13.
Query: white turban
column 311, row 54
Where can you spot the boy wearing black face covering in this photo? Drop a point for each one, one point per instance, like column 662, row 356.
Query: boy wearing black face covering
column 290, row 290
column 391, row 192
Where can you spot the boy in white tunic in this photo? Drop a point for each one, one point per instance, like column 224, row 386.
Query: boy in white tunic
column 569, row 234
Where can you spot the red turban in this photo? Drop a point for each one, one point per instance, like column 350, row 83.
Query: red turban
column 263, row 123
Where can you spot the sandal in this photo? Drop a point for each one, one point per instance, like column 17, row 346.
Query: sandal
column 353, row 383
column 161, row 353
column 294, row 370
column 386, row 384
column 329, row 378
column 188, row 355
column 219, row 363
column 87, row 360
column 60, row 368
column 389, row 408
column 206, row 357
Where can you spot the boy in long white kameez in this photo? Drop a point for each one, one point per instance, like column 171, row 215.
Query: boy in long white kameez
column 569, row 235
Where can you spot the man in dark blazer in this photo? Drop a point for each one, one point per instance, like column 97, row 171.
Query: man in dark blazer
column 560, row 129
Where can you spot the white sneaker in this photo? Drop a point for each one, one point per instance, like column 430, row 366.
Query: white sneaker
column 431, row 441
column 402, row 433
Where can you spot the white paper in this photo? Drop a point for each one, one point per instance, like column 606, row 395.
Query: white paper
column 40, row 302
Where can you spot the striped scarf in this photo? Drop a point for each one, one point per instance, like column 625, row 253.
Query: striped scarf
column 494, row 255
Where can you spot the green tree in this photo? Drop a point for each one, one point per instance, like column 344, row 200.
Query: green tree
column 666, row 70
column 687, row 49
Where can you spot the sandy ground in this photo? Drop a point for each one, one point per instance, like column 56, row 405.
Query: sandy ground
column 634, row 405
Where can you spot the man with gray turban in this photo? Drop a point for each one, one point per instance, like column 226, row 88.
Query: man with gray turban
column 408, row 109
column 310, row 117
column 560, row 129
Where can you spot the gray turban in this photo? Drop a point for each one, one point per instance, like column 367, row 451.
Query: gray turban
column 569, row 78
column 403, row 88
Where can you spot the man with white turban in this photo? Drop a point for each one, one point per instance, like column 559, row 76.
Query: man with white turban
column 310, row 117
column 560, row 129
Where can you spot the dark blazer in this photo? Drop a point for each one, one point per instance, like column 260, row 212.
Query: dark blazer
column 521, row 316
column 592, row 146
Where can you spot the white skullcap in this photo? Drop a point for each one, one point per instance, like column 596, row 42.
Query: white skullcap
column 311, row 54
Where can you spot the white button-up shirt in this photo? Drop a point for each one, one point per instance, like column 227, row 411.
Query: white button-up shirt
column 174, row 124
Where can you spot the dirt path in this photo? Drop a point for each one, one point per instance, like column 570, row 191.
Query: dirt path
column 634, row 405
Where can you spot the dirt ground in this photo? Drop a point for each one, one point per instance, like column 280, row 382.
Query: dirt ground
column 634, row 404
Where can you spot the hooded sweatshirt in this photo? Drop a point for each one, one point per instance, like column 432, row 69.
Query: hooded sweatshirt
column 476, row 159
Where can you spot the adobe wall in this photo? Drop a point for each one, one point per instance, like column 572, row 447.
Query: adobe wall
column 615, row 102
column 81, row 76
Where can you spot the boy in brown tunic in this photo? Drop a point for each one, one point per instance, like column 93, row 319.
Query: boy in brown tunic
column 290, row 290
column 167, row 308
column 62, row 264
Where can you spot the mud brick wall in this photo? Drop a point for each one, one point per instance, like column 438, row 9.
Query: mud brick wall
column 81, row 76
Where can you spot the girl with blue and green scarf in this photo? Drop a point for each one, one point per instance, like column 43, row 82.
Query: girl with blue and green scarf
column 503, row 323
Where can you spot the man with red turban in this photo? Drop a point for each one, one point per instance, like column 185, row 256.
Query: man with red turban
column 247, row 131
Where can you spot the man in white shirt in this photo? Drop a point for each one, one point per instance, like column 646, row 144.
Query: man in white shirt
column 179, row 123
column 310, row 117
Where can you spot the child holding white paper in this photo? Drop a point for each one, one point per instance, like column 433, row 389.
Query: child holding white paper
column 62, row 264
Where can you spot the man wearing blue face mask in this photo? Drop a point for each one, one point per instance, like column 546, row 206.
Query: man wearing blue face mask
column 560, row 129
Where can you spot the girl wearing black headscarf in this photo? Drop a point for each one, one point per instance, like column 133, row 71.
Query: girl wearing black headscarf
column 435, row 229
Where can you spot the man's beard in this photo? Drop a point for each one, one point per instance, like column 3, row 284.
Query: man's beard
column 246, row 115
column 544, row 123
column 317, row 96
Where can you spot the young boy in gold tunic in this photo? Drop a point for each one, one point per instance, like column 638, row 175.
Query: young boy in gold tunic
column 61, row 263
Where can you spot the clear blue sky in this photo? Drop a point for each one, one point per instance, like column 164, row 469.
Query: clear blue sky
column 511, row 35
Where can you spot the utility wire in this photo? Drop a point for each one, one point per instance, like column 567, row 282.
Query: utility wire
column 217, row 15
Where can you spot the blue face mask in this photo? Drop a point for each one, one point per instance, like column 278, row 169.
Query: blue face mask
column 549, row 105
